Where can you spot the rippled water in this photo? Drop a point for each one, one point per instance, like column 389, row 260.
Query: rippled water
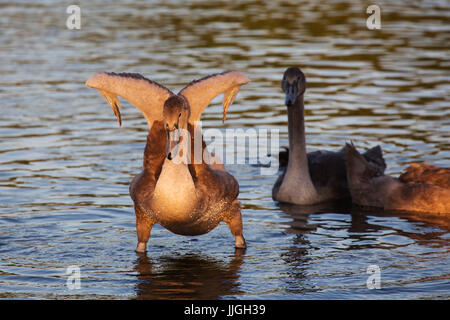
column 65, row 166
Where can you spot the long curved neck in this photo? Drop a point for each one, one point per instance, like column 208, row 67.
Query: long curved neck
column 298, row 160
column 154, row 153
column 297, row 186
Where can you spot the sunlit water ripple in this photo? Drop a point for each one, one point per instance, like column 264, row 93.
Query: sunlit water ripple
column 65, row 165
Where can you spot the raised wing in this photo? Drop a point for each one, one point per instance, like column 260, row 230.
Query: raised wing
column 144, row 94
column 199, row 93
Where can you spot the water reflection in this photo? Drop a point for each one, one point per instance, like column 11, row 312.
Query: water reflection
column 341, row 239
column 190, row 276
column 65, row 166
column 361, row 219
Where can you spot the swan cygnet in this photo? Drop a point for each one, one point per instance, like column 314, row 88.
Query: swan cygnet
column 421, row 188
column 318, row 176
column 186, row 197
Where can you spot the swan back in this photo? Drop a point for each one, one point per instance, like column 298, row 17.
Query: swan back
column 428, row 174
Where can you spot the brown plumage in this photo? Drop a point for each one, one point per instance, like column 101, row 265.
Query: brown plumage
column 428, row 174
column 416, row 190
column 185, row 196
column 315, row 177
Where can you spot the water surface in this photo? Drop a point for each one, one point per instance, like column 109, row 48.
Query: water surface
column 65, row 165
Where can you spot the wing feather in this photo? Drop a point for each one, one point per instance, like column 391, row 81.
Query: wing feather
column 199, row 93
column 147, row 96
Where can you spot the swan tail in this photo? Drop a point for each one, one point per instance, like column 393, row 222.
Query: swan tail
column 375, row 157
column 359, row 170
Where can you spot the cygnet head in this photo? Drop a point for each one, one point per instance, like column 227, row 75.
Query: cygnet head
column 175, row 117
column 293, row 85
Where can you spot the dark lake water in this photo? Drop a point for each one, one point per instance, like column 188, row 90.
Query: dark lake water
column 65, row 165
